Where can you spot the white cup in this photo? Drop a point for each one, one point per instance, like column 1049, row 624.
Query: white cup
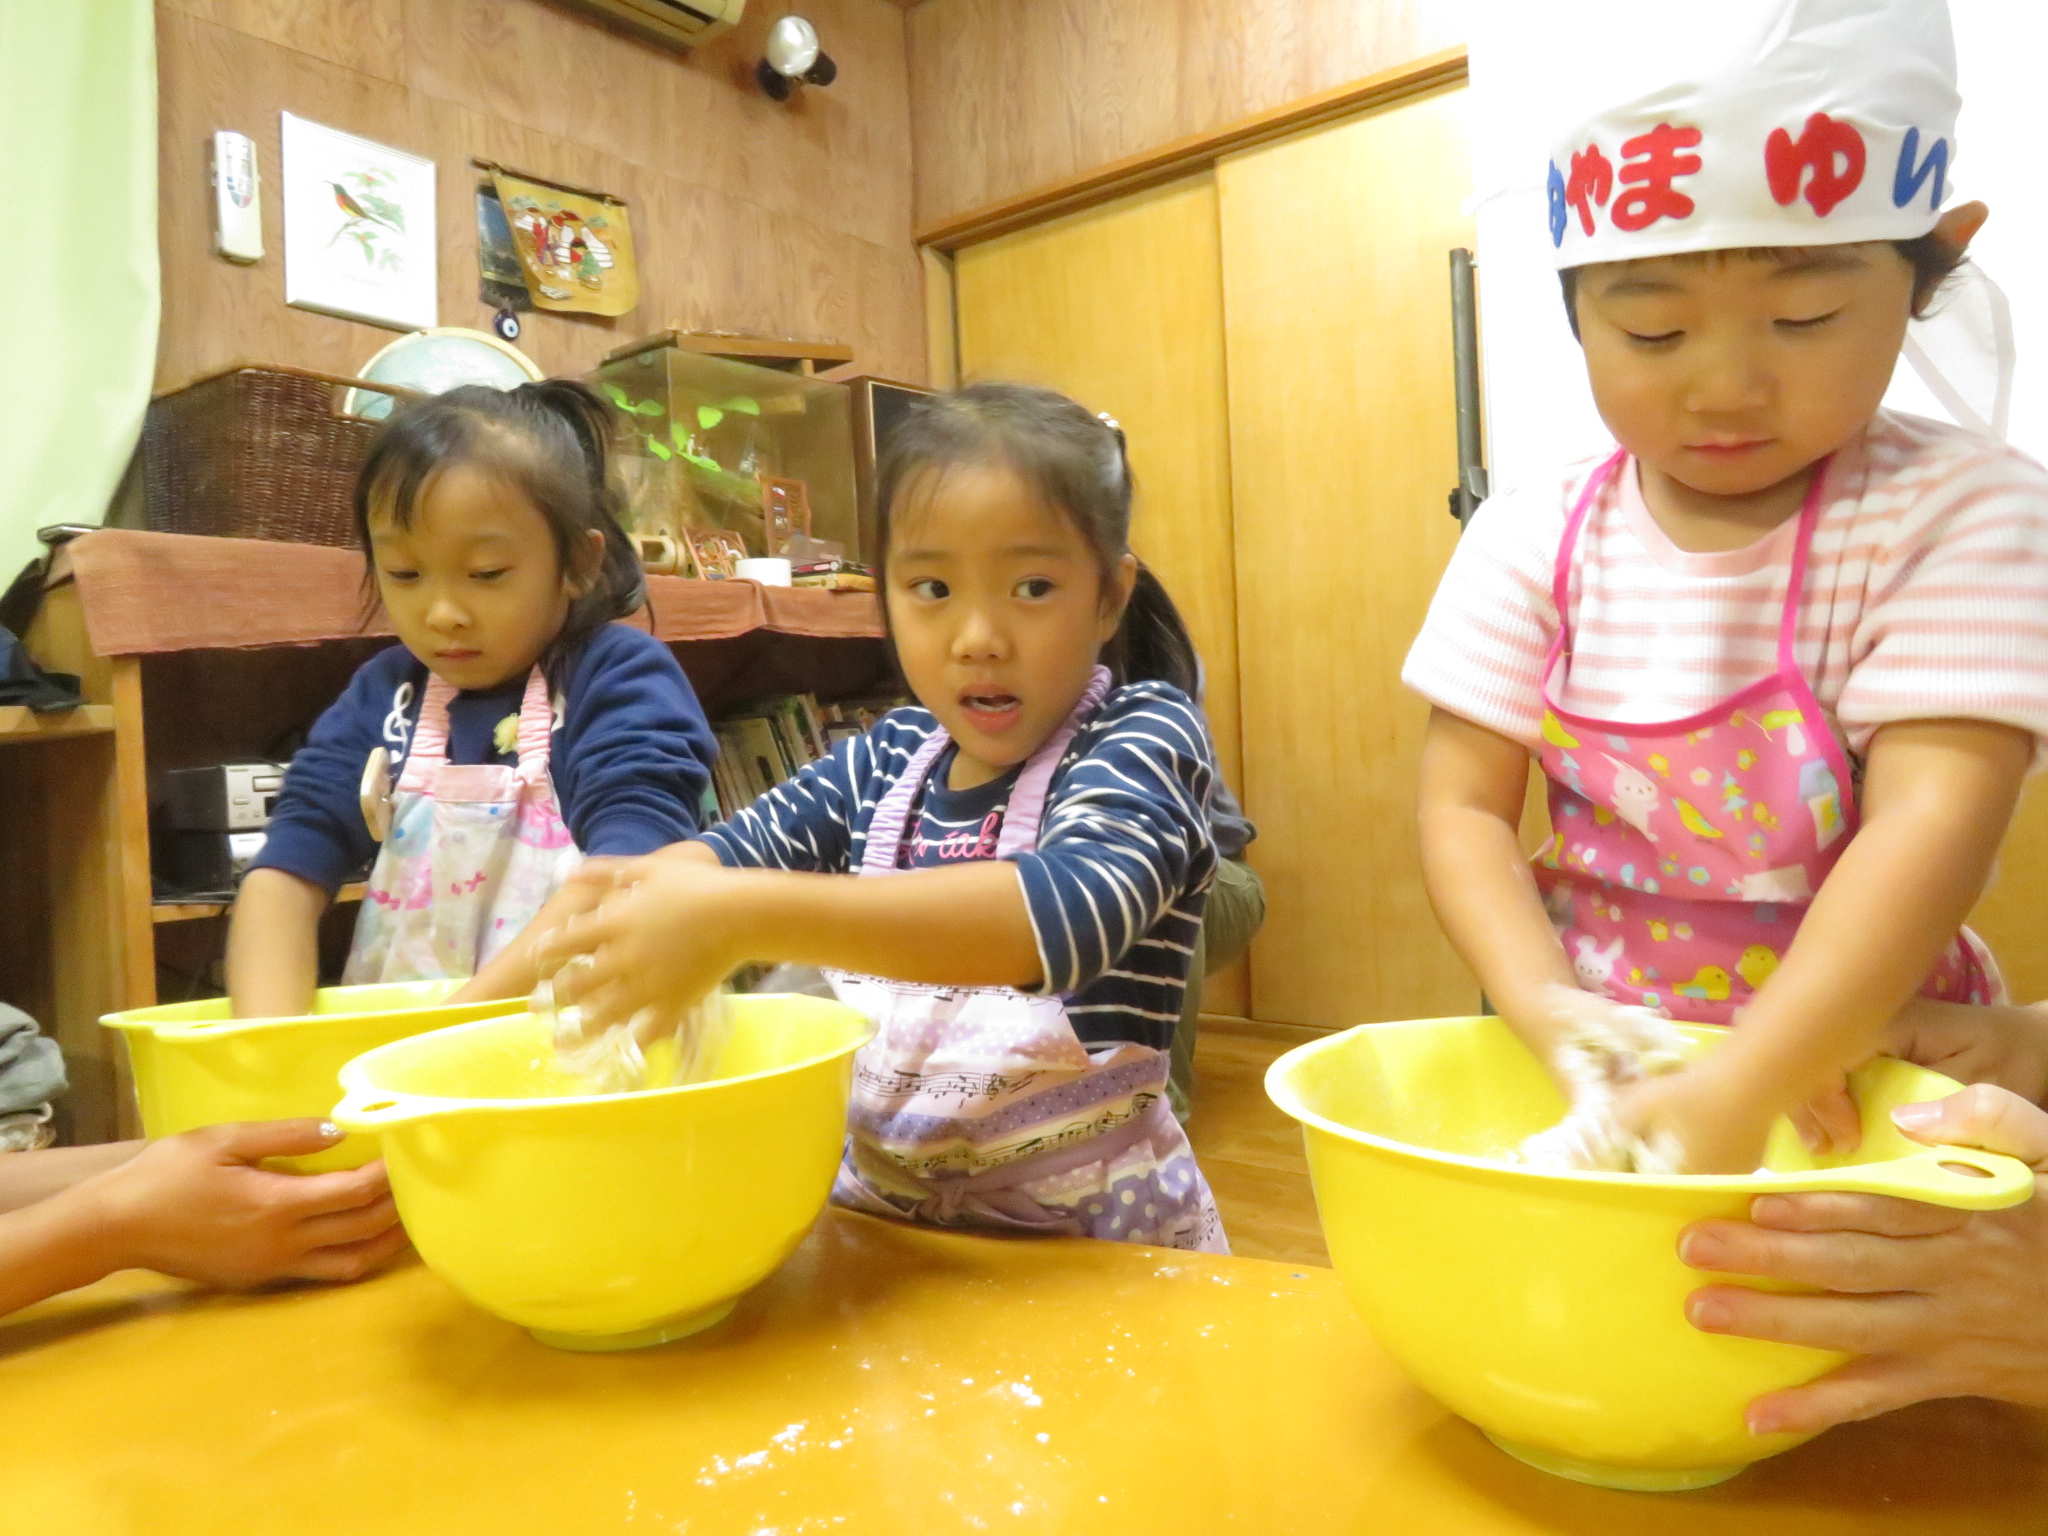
column 769, row 572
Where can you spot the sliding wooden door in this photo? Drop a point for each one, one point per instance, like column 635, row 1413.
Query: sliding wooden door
column 1336, row 298
column 1275, row 338
column 1122, row 307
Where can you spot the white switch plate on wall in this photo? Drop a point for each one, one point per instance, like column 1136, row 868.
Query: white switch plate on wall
column 237, row 204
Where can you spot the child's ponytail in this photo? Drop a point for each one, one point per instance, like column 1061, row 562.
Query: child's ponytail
column 1073, row 460
column 620, row 584
column 1151, row 644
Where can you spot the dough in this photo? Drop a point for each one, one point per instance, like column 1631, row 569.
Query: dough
column 688, row 1051
column 1597, row 1062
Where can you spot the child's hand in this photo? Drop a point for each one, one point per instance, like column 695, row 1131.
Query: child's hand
column 663, row 934
column 1693, row 1121
column 516, row 968
column 197, row 1206
column 1592, row 1047
column 1829, row 1122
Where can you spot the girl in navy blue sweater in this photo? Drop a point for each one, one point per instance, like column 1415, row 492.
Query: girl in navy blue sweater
column 513, row 730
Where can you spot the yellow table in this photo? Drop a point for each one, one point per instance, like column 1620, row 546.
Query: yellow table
column 885, row 1379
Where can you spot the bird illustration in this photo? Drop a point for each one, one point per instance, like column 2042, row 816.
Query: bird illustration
column 345, row 201
column 1695, row 823
column 1711, row 984
column 1756, row 964
column 1555, row 733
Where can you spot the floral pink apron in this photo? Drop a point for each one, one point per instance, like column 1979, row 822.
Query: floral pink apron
column 1683, row 855
column 474, row 852
column 980, row 1106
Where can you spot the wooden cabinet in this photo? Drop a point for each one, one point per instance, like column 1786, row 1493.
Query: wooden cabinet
column 197, row 650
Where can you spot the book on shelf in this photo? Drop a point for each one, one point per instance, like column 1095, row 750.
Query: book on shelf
column 763, row 741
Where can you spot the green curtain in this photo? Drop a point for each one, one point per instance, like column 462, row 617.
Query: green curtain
column 78, row 304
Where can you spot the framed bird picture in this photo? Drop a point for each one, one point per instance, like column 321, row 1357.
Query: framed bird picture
column 358, row 228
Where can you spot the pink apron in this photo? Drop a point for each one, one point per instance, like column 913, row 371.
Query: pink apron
column 980, row 1107
column 474, row 852
column 1683, row 855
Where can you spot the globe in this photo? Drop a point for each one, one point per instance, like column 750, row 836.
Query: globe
column 436, row 361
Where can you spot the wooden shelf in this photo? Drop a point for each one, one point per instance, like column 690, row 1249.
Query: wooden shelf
column 149, row 594
column 188, row 911
column 19, row 723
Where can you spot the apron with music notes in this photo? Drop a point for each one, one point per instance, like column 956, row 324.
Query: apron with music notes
column 979, row 1107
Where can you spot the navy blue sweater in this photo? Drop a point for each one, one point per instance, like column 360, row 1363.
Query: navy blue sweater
column 630, row 757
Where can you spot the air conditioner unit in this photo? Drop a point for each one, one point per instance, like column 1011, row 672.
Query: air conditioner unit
column 684, row 23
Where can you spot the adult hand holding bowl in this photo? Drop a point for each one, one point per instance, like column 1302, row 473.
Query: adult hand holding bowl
column 1933, row 1301
column 1547, row 1307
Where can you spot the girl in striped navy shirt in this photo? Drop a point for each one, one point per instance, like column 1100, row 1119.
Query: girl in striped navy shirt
column 1043, row 824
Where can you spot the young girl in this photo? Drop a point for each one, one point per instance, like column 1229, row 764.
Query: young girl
column 1783, row 656
column 1033, row 845
column 511, row 727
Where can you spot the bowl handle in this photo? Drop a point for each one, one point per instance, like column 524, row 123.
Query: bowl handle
column 2000, row 1182
column 371, row 1109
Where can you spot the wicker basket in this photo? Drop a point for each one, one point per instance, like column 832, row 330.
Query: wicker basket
column 256, row 453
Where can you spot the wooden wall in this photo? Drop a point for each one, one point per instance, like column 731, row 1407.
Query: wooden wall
column 1008, row 95
column 782, row 220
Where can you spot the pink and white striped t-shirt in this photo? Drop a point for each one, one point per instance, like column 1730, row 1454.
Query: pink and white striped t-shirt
column 1926, row 597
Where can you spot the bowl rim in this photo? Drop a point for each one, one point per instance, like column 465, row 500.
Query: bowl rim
column 355, row 1083
column 1287, row 1098
column 137, row 1020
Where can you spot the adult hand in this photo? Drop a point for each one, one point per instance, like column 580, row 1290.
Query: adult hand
column 2002, row 1045
column 198, row 1206
column 1934, row 1302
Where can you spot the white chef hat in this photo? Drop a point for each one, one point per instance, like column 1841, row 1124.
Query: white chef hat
column 1779, row 122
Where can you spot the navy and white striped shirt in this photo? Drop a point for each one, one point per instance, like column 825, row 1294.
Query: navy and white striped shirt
column 1123, row 864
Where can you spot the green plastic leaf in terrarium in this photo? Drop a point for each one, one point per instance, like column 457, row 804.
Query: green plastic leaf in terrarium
column 743, row 405
column 709, row 416
column 619, row 397
column 648, row 408
column 659, row 449
column 679, row 437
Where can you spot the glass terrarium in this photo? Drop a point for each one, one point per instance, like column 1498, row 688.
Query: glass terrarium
column 711, row 444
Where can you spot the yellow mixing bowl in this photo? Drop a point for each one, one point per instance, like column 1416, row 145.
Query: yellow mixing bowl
column 195, row 1064
column 610, row 1221
column 1548, row 1308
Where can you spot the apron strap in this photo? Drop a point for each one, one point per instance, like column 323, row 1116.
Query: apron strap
column 536, row 728
column 886, row 826
column 1561, row 568
column 1795, row 589
column 429, row 748
column 1025, row 811
column 430, row 737
column 1034, row 784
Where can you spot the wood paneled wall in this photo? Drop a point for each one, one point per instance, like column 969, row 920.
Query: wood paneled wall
column 1008, row 95
column 787, row 221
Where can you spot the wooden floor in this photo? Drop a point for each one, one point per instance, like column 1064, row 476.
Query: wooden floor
column 1251, row 1152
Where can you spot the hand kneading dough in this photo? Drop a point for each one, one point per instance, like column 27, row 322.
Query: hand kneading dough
column 1597, row 1062
column 613, row 1062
